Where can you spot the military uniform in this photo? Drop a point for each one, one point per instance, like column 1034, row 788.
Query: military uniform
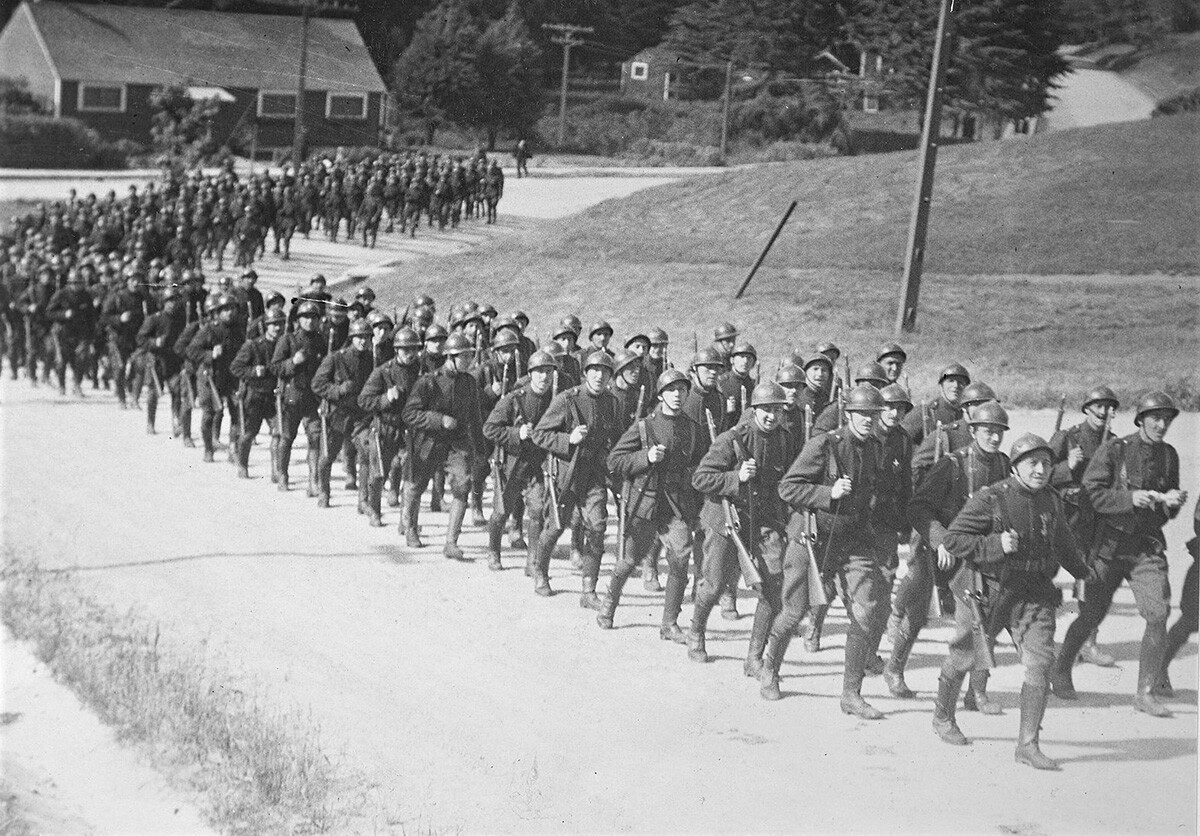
column 297, row 356
column 257, row 401
column 338, row 381
column 387, row 443
column 212, row 351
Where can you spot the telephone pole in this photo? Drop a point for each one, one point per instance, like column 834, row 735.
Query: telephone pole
column 298, row 134
column 725, row 108
column 914, row 257
column 566, row 39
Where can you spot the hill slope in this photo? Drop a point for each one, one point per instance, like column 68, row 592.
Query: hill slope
column 1116, row 198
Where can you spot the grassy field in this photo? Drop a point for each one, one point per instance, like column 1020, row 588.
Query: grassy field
column 1169, row 67
column 1117, row 200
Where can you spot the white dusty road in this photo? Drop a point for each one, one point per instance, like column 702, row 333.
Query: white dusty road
column 1096, row 97
column 471, row 704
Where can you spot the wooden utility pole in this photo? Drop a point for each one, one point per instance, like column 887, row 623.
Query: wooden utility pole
column 725, row 110
column 566, row 38
column 298, row 135
column 914, row 257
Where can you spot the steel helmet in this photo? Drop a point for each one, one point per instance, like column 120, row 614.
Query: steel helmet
column 600, row 359
column 1100, row 394
column 975, row 393
column 210, row 303
column 789, row 374
column 564, row 329
column 708, row 357
column 744, row 348
column 768, row 394
column 170, row 292
column 406, row 338
column 658, row 337
column 435, row 332
column 896, row 394
column 1152, row 402
column 830, row 350
column 505, row 339
column 381, row 322
column 872, row 373
column 669, row 378
column 457, row 344
column 308, row 308
column 624, row 359
column 888, row 349
column 360, row 328
column 599, row 327
column 275, row 317
column 521, row 317
column 365, row 293
column 488, row 310
column 796, row 359
column 249, row 273
column 423, row 301
column 864, row 398
column 542, row 360
column 571, row 321
column 819, row 358
column 989, row 412
column 955, row 370
column 275, row 298
column 554, row 350
column 225, row 300
column 1026, row 444
column 725, row 331
column 375, row 315
column 506, row 322
column 631, row 340
column 337, row 314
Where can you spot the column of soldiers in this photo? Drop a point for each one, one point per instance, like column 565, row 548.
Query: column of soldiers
column 806, row 487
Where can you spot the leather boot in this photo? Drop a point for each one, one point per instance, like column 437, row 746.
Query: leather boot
column 274, row 448
column 364, row 494
column 374, row 503
column 458, row 510
column 672, row 633
column 695, row 645
column 944, row 724
column 283, row 460
column 763, row 616
column 976, row 698
column 408, row 523
column 893, row 671
column 812, row 640
column 697, row 652
column 495, row 530
column 650, row 581
column 616, row 583
column 1033, row 706
column 314, row 458
column 393, row 496
column 207, row 436
column 151, row 410
column 1091, row 653
column 588, row 599
column 768, row 678
column 477, row 518
column 852, row 677
column 729, row 610
column 1154, row 642
column 351, row 467
column 673, row 600
column 541, row 567
column 1060, row 680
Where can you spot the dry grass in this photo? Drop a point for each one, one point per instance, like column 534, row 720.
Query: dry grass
column 260, row 770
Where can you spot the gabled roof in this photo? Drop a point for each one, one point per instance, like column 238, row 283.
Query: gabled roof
column 220, row 49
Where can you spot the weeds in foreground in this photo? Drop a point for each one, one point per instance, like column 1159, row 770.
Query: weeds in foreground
column 262, row 771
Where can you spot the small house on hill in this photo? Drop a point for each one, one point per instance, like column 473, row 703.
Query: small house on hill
column 100, row 63
column 653, row 74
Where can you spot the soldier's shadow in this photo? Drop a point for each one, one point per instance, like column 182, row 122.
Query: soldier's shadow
column 1133, row 749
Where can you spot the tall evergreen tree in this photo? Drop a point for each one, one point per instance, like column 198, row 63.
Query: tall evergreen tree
column 436, row 77
column 509, row 94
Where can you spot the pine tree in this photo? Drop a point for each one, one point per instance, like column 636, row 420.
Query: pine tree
column 509, row 95
column 436, row 77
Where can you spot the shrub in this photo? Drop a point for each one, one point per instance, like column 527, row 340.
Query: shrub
column 1180, row 103
column 46, row 142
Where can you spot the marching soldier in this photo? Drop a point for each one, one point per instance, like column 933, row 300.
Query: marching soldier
column 256, row 394
column 155, row 339
column 384, row 396
column 1073, row 451
column 655, row 458
column 122, row 316
column 578, row 431
column 184, row 384
column 945, row 409
column 212, row 351
column 818, row 372
column 509, row 427
column 1133, row 483
column 935, row 503
column 892, row 358
column 836, row 477
column 338, row 381
column 740, row 471
column 73, row 315
column 832, row 417
column 295, row 361
column 442, row 413
column 946, row 438
column 724, row 339
column 736, row 384
column 1016, row 532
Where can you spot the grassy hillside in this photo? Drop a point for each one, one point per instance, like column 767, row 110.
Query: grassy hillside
column 1167, row 68
column 1117, row 198
column 1015, row 224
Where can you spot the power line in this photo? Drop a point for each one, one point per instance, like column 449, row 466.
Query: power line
column 566, row 38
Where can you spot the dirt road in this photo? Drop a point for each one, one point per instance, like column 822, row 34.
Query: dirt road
column 472, row 704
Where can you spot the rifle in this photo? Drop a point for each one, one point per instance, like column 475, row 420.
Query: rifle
column 1107, row 426
column 323, row 411
column 733, row 525
column 816, row 586
column 498, row 458
column 552, row 473
column 1062, row 408
column 29, row 352
column 924, row 418
column 985, row 659
column 152, row 361
column 58, row 350
column 841, row 407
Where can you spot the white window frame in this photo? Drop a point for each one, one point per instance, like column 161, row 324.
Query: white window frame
column 82, row 108
column 262, row 93
column 362, row 97
column 639, row 71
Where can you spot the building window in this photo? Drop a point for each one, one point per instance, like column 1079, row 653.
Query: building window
column 639, row 71
column 346, row 106
column 101, row 98
column 276, row 105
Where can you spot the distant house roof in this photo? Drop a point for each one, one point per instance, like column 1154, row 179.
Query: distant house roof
column 218, row 49
column 656, row 55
